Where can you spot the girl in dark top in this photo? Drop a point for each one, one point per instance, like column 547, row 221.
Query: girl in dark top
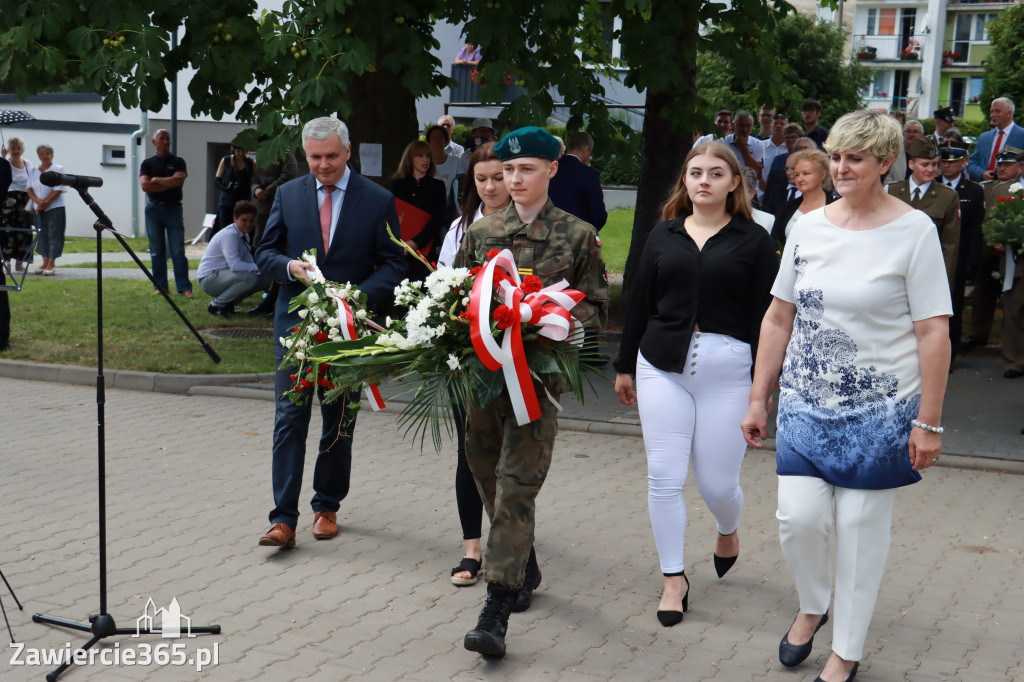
column 416, row 184
column 234, row 178
column 701, row 289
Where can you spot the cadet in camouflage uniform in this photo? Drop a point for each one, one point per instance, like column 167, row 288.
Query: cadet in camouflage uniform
column 510, row 462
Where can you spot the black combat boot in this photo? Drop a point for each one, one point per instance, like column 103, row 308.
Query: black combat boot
column 488, row 637
column 530, row 583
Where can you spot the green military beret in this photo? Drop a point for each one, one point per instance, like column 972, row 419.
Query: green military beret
column 528, row 141
column 923, row 148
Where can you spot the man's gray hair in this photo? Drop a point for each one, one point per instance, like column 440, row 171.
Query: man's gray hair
column 46, row 147
column 814, row 143
column 906, row 126
column 749, row 178
column 737, row 115
column 1007, row 101
column 446, row 117
column 323, row 127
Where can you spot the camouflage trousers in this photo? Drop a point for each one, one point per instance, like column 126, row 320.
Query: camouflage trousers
column 509, row 463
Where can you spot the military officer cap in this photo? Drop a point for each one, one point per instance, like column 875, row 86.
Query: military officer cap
column 1009, row 155
column 528, row 141
column 951, row 149
column 946, row 114
column 923, row 148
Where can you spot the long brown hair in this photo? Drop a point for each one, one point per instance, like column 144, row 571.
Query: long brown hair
column 412, row 150
column 738, row 201
column 472, row 200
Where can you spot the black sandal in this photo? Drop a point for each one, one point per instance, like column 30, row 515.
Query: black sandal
column 471, row 566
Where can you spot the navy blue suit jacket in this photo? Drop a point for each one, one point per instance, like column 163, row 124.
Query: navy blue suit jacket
column 361, row 251
column 978, row 163
column 576, row 189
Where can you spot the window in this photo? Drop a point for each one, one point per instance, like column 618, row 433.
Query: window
column 882, row 22
column 981, row 26
column 882, row 85
column 113, row 155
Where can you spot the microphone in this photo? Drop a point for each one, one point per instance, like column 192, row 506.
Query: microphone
column 53, row 179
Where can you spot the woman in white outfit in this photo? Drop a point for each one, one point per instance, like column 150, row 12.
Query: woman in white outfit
column 859, row 329
column 485, row 194
column 700, row 292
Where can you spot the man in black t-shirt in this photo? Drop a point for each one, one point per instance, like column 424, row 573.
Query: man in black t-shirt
column 162, row 176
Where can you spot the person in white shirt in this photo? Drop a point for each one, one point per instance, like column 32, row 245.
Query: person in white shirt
column 453, row 148
column 749, row 150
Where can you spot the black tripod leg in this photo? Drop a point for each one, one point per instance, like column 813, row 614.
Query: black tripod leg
column 9, row 631
column 52, row 677
column 11, row 590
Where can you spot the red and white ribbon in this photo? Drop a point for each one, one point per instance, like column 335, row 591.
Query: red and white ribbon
column 348, row 332
column 548, row 308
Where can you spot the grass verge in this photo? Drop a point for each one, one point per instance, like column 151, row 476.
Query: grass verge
column 54, row 321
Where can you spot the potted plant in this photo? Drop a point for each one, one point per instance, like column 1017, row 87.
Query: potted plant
column 865, row 52
column 949, row 56
column 908, row 54
column 974, row 99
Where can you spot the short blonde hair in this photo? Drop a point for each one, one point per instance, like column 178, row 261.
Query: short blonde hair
column 866, row 130
column 814, row 157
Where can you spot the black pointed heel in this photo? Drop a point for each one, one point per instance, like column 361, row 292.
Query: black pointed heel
column 791, row 655
column 853, row 674
column 724, row 563
column 670, row 618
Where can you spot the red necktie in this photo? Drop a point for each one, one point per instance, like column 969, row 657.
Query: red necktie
column 995, row 151
column 326, row 209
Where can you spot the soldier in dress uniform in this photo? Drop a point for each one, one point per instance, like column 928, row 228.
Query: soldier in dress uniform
column 944, row 120
column 952, row 160
column 941, row 203
column 1009, row 267
column 510, row 462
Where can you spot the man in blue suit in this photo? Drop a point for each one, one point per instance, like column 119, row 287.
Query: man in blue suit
column 345, row 216
column 1004, row 132
column 576, row 188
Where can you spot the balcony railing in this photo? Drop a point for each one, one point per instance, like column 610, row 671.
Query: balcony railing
column 955, row 3
column 870, row 47
column 965, row 52
column 467, row 88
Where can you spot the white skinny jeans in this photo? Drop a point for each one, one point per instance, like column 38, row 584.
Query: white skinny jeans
column 863, row 523
column 694, row 416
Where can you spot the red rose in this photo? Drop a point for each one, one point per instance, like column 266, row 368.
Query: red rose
column 475, row 271
column 320, row 337
column 505, row 317
column 493, row 253
column 531, row 284
column 323, row 382
column 304, row 383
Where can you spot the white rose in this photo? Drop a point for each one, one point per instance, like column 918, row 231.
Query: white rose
column 360, row 314
column 312, row 298
column 299, row 355
column 303, row 313
column 1016, row 187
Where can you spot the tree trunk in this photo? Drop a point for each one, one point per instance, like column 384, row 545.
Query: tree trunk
column 663, row 151
column 383, row 112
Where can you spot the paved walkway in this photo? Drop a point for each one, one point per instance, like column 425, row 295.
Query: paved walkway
column 188, row 492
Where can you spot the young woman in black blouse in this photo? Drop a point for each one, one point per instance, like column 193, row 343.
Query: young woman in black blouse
column 701, row 289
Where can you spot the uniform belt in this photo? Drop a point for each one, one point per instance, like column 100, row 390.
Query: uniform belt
column 164, row 203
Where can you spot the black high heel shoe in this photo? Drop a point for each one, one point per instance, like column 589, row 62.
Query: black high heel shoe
column 853, row 673
column 670, row 618
column 791, row 655
column 724, row 563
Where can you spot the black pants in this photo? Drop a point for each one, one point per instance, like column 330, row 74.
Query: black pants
column 467, row 497
column 5, row 326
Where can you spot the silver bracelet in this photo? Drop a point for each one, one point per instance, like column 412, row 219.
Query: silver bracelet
column 926, row 427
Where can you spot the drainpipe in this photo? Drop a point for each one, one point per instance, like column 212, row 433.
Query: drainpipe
column 136, row 137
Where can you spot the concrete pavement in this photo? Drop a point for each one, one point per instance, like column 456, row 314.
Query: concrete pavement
column 188, row 491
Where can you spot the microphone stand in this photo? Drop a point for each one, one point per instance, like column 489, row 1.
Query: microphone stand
column 101, row 625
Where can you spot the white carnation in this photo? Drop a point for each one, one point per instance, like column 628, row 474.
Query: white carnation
column 360, row 314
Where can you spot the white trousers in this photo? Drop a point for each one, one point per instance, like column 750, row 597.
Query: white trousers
column 694, row 416
column 863, row 523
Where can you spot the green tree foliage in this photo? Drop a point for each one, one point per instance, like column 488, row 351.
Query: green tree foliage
column 809, row 61
column 1004, row 71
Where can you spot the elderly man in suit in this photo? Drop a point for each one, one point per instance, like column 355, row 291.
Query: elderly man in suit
column 344, row 217
column 941, row 203
column 982, row 165
column 576, row 188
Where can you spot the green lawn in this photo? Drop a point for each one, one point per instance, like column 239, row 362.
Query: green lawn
column 615, row 237
column 192, row 263
column 109, row 245
column 54, row 321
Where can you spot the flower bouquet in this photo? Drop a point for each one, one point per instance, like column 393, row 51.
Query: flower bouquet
column 467, row 335
column 1005, row 224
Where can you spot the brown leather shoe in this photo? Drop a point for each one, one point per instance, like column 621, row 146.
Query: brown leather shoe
column 279, row 535
column 325, row 525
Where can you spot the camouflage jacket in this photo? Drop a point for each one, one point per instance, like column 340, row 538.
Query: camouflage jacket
column 554, row 246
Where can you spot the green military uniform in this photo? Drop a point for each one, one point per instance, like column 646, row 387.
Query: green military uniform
column 510, row 462
column 941, row 203
column 987, row 288
column 1013, row 292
